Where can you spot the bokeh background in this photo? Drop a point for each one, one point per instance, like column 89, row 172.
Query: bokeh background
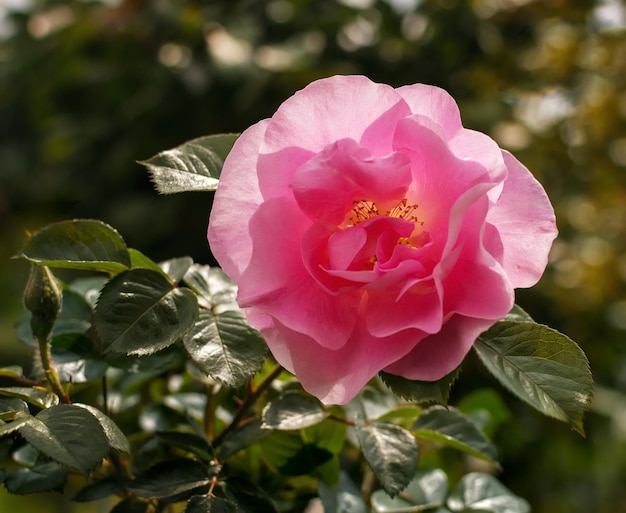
column 87, row 88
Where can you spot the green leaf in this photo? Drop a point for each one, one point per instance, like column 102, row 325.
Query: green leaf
column 140, row 261
column 141, row 312
column 486, row 408
column 484, row 493
column 427, row 490
column 35, row 396
column 216, row 290
column 450, row 427
column 242, row 437
column 78, row 244
column 101, row 489
column 391, row 452
column 12, row 371
column 116, row 438
column 176, row 268
column 344, row 497
column 193, row 166
column 45, row 476
column 293, row 410
column 171, row 479
column 518, row 314
column 189, row 442
column 210, row 504
column 21, row 419
column 249, row 497
column 68, row 434
column 225, row 347
column 421, row 391
column 541, row 366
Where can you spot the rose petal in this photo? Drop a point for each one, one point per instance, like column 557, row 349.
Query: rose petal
column 525, row 221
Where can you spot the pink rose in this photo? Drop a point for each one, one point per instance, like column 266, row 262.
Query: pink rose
column 367, row 230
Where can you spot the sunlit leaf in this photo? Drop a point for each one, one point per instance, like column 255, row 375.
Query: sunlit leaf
column 391, row 452
column 541, row 366
column 216, row 290
column 78, row 244
column 141, row 312
column 485, row 494
column 38, row 397
column 225, row 347
column 421, row 391
column 193, row 166
column 427, row 490
column 293, row 410
column 450, row 427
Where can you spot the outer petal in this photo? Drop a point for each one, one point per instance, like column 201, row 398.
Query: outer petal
column 525, row 221
column 236, row 199
column 337, row 376
column 441, row 353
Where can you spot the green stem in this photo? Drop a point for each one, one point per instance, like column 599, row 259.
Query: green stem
column 247, row 405
column 50, row 372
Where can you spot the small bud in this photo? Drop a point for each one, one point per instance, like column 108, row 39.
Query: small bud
column 43, row 298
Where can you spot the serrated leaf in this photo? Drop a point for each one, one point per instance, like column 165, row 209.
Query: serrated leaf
column 484, row 493
column 391, row 452
column 141, row 312
column 216, row 290
column 36, row 396
column 249, row 497
column 21, row 419
column 68, row 434
column 450, row 427
column 189, row 442
column 293, row 410
column 116, row 438
column 541, row 366
column 171, row 479
column 193, row 166
column 210, row 504
column 78, row 244
column 421, row 391
column 427, row 490
column 45, row 476
column 100, row 489
column 344, row 497
column 225, row 347
column 240, row 438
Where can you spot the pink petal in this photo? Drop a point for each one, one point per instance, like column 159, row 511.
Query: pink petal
column 439, row 354
column 525, row 221
column 336, row 376
column 277, row 283
column 236, row 199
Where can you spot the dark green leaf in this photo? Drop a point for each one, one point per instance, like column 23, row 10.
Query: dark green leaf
column 249, row 497
column 391, row 452
column 140, row 312
column 193, row 166
column 421, row 391
column 426, row 491
column 12, row 404
column 518, row 314
column 100, row 489
column 35, row 396
column 241, row 438
column 293, row 410
column 484, row 493
column 188, row 442
column 116, row 438
column 75, row 368
column 68, row 434
column 216, row 290
column 132, row 506
column 171, row 478
column 225, row 347
column 450, row 427
column 45, row 476
column 206, row 504
column 78, row 244
column 541, row 366
column 344, row 497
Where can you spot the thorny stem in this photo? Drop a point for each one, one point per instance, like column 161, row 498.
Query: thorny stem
column 253, row 397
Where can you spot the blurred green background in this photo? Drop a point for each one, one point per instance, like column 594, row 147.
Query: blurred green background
column 87, row 88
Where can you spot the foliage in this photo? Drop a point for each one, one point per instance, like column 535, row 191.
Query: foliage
column 220, row 427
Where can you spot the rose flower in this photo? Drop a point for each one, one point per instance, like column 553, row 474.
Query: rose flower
column 368, row 231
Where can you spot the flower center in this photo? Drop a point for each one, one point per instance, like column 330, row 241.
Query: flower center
column 365, row 209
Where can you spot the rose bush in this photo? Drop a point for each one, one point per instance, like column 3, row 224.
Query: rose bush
column 368, row 230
